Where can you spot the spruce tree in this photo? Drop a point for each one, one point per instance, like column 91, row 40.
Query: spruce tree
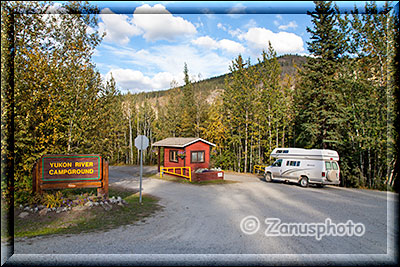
column 319, row 94
column 187, row 106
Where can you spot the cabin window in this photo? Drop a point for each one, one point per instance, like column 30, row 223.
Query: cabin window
column 298, row 164
column 335, row 166
column 173, row 155
column 285, row 151
column 197, row 156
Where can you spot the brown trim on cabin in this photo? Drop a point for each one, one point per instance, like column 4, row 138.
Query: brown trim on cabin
column 159, row 159
column 197, row 151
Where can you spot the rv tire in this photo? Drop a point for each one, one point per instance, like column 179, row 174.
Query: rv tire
column 303, row 182
column 268, row 177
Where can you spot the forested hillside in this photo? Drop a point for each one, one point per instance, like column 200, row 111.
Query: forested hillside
column 340, row 98
column 214, row 86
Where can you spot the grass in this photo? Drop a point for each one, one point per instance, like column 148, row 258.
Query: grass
column 93, row 219
column 172, row 178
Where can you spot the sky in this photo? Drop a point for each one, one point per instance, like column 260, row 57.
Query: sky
column 147, row 43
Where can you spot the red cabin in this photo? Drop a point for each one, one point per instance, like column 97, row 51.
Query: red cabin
column 191, row 152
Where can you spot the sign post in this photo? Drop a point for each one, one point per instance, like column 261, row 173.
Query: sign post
column 141, row 143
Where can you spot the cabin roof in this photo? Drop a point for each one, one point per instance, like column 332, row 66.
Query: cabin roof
column 180, row 142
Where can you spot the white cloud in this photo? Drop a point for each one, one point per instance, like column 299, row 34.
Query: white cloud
column 291, row 24
column 231, row 46
column 251, row 24
column 235, row 33
column 205, row 41
column 279, row 17
column 221, row 26
column 136, row 81
column 167, row 60
column 159, row 24
column 117, row 27
column 225, row 44
column 282, row 42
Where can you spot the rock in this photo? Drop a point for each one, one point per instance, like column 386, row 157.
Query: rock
column 80, row 208
column 96, row 203
column 41, row 207
column 43, row 212
column 120, row 204
column 31, row 209
column 20, row 206
column 36, row 209
column 89, row 204
column 26, row 208
column 124, row 202
column 107, row 206
column 23, row 214
column 64, row 209
column 101, row 203
column 48, row 209
column 119, row 199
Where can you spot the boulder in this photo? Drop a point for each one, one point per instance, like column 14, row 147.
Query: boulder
column 43, row 212
column 23, row 214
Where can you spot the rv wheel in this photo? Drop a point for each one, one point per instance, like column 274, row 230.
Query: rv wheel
column 304, row 182
column 268, row 177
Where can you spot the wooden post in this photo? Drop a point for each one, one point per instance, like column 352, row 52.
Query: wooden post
column 159, row 158
column 103, row 190
column 38, row 179
column 34, row 189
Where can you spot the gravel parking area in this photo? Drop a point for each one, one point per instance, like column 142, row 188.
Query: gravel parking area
column 211, row 220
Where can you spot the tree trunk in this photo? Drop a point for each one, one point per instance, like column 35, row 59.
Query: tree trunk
column 245, row 142
column 130, row 142
column 269, row 128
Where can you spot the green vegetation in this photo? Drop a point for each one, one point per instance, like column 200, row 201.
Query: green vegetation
column 93, row 219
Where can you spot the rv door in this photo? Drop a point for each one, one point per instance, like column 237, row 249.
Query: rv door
column 276, row 168
column 332, row 171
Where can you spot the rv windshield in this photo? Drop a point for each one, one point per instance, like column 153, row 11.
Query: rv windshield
column 277, row 163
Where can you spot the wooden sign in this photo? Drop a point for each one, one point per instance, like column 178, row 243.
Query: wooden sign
column 71, row 167
column 71, row 171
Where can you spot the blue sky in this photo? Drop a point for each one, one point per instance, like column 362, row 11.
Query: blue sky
column 147, row 43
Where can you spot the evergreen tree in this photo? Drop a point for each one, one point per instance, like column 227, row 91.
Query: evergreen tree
column 187, row 106
column 319, row 97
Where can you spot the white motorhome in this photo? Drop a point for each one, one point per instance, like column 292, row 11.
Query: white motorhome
column 305, row 166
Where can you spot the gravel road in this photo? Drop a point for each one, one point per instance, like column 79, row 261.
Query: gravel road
column 207, row 220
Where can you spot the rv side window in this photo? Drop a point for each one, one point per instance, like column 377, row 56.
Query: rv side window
column 293, row 163
column 335, row 166
column 277, row 163
column 328, row 166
